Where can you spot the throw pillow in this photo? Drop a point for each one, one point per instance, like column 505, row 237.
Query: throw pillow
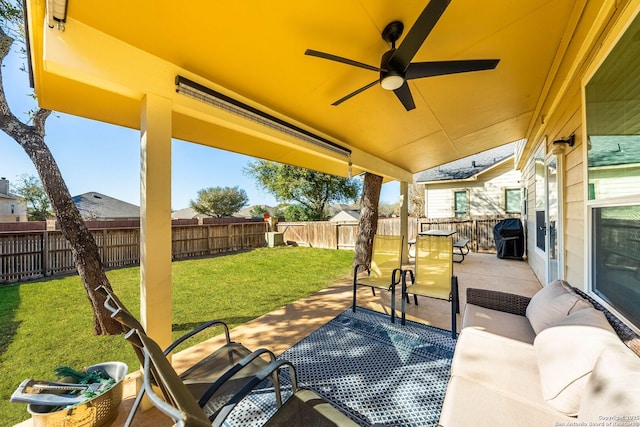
column 567, row 352
column 613, row 391
column 553, row 303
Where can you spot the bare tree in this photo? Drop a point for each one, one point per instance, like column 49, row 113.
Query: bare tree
column 83, row 246
column 368, row 218
column 416, row 200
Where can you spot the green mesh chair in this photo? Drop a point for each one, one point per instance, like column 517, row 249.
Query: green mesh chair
column 385, row 270
column 433, row 275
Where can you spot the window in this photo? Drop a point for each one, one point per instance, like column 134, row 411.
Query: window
column 460, row 203
column 616, row 257
column 13, row 209
column 512, row 200
column 613, row 167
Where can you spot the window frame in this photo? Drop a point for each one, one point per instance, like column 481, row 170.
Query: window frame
column 622, row 29
column 455, row 203
column 505, row 192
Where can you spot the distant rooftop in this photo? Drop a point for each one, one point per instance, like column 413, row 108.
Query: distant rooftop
column 467, row 167
column 94, row 205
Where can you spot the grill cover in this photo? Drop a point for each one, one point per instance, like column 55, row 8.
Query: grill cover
column 509, row 237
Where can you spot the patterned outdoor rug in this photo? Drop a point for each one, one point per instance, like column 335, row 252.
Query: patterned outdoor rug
column 373, row 371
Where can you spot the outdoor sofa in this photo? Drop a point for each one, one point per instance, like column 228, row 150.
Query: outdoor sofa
column 556, row 359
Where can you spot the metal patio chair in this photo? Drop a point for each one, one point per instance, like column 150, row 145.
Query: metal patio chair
column 211, row 380
column 303, row 408
column 433, row 275
column 385, row 270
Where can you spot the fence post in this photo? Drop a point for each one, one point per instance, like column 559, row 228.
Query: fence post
column 44, row 253
column 474, row 235
column 104, row 257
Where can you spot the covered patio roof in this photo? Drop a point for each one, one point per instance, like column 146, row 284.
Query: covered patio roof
column 248, row 87
column 111, row 54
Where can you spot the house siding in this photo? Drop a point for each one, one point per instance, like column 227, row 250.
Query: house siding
column 567, row 117
column 439, row 200
column 19, row 213
column 486, row 195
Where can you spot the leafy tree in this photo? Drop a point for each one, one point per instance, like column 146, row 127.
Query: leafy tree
column 278, row 211
column 32, row 193
column 298, row 212
column 219, row 201
column 31, row 138
column 389, row 209
column 416, row 200
column 259, row 211
column 312, row 191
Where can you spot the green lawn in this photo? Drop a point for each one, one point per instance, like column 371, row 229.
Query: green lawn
column 48, row 323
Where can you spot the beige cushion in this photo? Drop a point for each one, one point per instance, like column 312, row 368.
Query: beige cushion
column 498, row 322
column 508, row 365
column 614, row 387
column 553, row 303
column 468, row 403
column 567, row 352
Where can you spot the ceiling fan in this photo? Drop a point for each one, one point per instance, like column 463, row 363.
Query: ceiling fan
column 396, row 66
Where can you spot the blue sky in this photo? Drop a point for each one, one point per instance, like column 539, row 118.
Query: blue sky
column 94, row 156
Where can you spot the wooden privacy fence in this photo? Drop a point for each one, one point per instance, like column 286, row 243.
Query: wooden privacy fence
column 342, row 235
column 28, row 255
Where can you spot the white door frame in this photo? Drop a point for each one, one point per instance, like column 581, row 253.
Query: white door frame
column 554, row 247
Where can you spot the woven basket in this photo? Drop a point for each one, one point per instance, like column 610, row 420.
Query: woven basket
column 92, row 413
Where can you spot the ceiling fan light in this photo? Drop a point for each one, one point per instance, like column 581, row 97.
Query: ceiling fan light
column 391, row 82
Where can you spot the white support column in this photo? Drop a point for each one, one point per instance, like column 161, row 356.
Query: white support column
column 155, row 218
column 404, row 219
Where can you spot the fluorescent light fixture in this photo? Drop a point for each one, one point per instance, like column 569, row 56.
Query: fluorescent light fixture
column 57, row 13
column 219, row 100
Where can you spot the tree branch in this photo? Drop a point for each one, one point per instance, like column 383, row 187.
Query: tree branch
column 8, row 121
column 39, row 119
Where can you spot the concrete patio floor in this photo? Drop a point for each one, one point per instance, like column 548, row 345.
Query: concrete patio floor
column 281, row 328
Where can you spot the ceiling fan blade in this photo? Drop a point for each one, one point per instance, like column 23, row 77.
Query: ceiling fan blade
column 418, row 70
column 335, row 58
column 354, row 93
column 404, row 95
column 419, row 32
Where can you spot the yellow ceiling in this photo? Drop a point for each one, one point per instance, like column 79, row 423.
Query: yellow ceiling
column 113, row 52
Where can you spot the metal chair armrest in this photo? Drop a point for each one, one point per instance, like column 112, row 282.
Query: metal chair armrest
column 232, row 371
column 196, row 331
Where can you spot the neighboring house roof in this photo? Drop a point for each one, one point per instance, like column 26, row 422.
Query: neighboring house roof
column 246, row 212
column 338, row 207
column 4, row 190
column 190, row 213
column 9, row 196
column 186, row 213
column 346, row 215
column 94, row 205
column 467, row 167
